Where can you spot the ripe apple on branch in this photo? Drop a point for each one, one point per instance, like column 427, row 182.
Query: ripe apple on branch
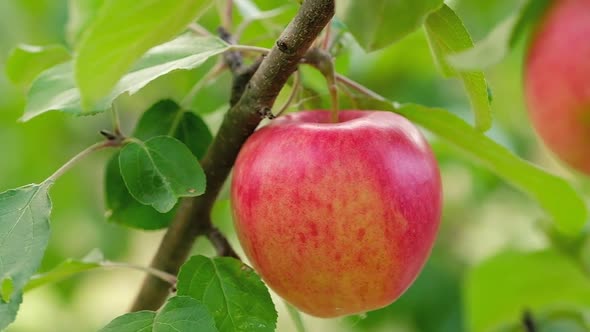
column 338, row 218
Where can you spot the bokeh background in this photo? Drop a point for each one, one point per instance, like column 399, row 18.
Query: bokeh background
column 483, row 215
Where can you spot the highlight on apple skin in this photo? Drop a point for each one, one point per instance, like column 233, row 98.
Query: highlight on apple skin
column 337, row 218
column 557, row 81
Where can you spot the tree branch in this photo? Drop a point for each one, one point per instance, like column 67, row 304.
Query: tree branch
column 221, row 244
column 193, row 216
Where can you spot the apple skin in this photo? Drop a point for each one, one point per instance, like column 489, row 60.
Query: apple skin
column 337, row 218
column 557, row 81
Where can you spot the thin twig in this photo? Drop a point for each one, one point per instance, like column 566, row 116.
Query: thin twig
column 247, row 48
column 115, row 119
column 359, row 87
column 164, row 276
column 84, row 153
column 229, row 14
column 225, row 10
column 232, row 58
column 220, row 243
column 300, row 104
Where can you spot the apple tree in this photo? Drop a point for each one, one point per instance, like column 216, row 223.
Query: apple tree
column 300, row 140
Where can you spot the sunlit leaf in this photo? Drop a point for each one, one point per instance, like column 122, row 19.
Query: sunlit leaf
column 80, row 14
column 55, row 89
column 121, row 33
column 501, row 288
column 447, row 34
column 26, row 62
column 493, row 48
column 380, row 23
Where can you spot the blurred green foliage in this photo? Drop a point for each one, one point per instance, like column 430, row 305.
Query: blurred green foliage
column 483, row 216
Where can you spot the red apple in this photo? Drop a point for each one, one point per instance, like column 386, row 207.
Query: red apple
column 338, row 218
column 557, row 81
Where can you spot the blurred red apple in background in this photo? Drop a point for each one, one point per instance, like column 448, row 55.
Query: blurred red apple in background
column 557, row 81
column 338, row 218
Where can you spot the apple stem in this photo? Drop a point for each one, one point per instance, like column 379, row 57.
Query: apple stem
column 322, row 61
column 334, row 96
column 330, row 74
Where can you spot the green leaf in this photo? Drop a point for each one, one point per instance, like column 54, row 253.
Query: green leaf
column 163, row 118
column 494, row 47
column 251, row 13
column 55, row 89
column 124, row 209
column 446, row 35
column 231, row 290
column 65, row 270
column 24, row 234
column 8, row 310
column 498, row 290
column 121, row 33
column 160, row 170
column 168, row 118
column 141, row 321
column 26, row 62
column 80, row 14
column 193, row 132
column 183, row 313
column 383, row 22
column 554, row 194
column 179, row 314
